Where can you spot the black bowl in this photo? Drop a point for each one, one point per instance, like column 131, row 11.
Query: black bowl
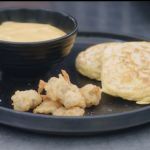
column 27, row 61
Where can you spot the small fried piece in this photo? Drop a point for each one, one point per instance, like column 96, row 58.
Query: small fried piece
column 74, row 111
column 74, row 99
column 25, row 100
column 56, row 88
column 91, row 94
column 47, row 107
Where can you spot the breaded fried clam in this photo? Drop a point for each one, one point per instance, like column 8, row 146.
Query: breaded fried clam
column 74, row 99
column 62, row 98
column 56, row 88
column 62, row 90
column 25, row 100
column 91, row 94
column 47, row 107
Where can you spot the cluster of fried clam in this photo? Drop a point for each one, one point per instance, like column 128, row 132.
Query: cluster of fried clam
column 62, row 98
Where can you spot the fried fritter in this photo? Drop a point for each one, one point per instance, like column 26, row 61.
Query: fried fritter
column 62, row 90
column 91, row 94
column 47, row 107
column 74, row 99
column 62, row 98
column 56, row 88
column 25, row 100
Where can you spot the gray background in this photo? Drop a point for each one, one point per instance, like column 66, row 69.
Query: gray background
column 127, row 17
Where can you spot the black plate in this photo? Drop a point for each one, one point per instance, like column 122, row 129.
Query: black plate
column 111, row 114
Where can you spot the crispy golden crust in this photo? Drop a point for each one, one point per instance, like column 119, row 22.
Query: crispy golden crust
column 91, row 94
column 62, row 97
column 25, row 100
column 47, row 107
column 74, row 111
column 126, row 71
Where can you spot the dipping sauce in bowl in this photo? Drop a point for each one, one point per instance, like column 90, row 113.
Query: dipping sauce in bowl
column 28, row 32
column 26, row 60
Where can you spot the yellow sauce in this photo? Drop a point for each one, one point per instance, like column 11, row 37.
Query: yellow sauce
column 28, row 32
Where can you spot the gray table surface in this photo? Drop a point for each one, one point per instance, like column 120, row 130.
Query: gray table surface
column 122, row 17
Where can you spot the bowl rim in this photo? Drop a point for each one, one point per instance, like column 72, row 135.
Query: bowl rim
column 44, row 9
